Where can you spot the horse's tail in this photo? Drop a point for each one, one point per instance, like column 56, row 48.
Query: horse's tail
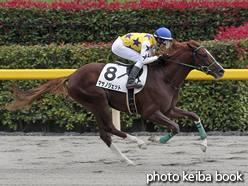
column 23, row 98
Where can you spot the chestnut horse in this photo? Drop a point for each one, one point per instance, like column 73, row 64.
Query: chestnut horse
column 156, row 102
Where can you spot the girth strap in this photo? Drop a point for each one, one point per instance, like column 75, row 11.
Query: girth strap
column 131, row 102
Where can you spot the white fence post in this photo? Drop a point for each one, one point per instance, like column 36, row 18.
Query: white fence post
column 116, row 119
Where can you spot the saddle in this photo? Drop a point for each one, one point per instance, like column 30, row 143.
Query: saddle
column 129, row 68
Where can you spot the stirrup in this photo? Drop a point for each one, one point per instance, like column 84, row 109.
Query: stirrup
column 134, row 85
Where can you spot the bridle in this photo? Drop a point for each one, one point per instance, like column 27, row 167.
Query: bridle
column 200, row 67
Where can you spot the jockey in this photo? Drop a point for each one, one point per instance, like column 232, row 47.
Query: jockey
column 140, row 48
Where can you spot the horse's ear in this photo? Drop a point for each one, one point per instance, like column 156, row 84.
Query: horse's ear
column 190, row 46
column 199, row 41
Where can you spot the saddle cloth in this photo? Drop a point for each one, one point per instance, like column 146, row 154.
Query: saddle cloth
column 114, row 77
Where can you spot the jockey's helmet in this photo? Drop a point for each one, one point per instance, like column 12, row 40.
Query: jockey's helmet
column 163, row 33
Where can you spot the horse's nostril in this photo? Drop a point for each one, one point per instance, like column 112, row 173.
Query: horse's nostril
column 221, row 71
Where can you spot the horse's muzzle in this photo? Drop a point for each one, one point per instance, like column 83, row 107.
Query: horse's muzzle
column 217, row 72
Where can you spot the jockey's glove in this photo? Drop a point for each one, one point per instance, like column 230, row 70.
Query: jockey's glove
column 162, row 57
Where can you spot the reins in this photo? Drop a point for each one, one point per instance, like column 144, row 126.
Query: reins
column 201, row 68
column 176, row 88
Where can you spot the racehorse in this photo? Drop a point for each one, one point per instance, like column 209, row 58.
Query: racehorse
column 156, row 102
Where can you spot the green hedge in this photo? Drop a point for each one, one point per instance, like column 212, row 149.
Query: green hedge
column 27, row 26
column 53, row 109
column 222, row 104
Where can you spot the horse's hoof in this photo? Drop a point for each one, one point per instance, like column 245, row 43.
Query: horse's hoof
column 131, row 164
column 142, row 146
column 203, row 148
column 152, row 138
column 204, row 145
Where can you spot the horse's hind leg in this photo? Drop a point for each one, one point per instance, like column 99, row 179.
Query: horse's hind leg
column 110, row 128
column 100, row 110
column 120, row 155
column 105, row 136
column 179, row 113
column 107, row 139
column 141, row 144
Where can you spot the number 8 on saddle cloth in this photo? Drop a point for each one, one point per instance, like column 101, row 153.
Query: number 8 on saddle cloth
column 114, row 77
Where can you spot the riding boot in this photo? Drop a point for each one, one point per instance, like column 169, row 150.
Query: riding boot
column 131, row 78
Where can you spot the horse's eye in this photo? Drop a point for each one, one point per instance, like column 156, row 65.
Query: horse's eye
column 205, row 55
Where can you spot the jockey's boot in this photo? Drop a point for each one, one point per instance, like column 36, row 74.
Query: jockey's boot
column 131, row 78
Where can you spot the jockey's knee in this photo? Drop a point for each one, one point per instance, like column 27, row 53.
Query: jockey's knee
column 117, row 46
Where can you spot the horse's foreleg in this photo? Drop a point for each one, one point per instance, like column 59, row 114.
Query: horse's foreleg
column 179, row 113
column 203, row 134
column 159, row 118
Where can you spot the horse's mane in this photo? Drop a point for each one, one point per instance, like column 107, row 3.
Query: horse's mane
column 177, row 46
